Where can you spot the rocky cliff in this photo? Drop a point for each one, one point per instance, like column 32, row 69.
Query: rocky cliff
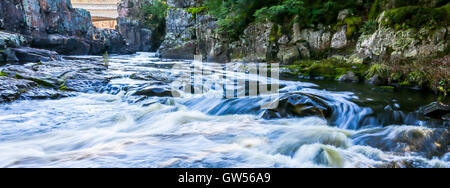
column 383, row 44
column 134, row 27
column 56, row 25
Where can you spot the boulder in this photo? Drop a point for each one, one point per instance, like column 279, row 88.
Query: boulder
column 350, row 76
column 112, row 41
column 10, row 56
column 11, row 89
column 429, row 142
column 339, row 39
column 254, row 44
column 137, row 37
column 179, row 41
column 435, row 110
column 34, row 55
column 388, row 44
column 67, row 45
column 156, row 91
column 297, row 105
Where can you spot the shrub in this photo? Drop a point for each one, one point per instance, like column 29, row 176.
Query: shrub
column 415, row 17
column 369, row 27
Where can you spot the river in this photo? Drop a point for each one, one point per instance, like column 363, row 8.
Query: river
column 111, row 125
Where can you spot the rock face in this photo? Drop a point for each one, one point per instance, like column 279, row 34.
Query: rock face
column 389, row 44
column 138, row 36
column 179, row 42
column 188, row 35
column 52, row 25
column 254, row 44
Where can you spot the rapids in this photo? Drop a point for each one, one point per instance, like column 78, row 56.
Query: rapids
column 112, row 126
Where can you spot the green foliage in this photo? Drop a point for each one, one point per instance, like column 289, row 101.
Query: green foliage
column 379, row 70
column 154, row 14
column 234, row 15
column 353, row 23
column 3, row 74
column 196, row 10
column 154, row 18
column 276, row 13
column 369, row 27
column 416, row 17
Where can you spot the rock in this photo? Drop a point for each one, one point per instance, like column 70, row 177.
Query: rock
column 435, row 110
column 75, row 75
column 283, row 40
column 157, row 91
column 161, row 76
column 11, row 89
column 210, row 42
column 179, row 41
column 429, row 142
column 375, row 80
column 11, row 40
column 288, row 54
column 296, row 105
column 62, row 44
column 349, row 77
column 318, row 39
column 254, row 44
column 138, row 35
column 10, row 56
column 54, row 25
column 34, row 55
column 183, row 3
column 113, row 42
column 343, row 14
column 388, row 44
column 339, row 39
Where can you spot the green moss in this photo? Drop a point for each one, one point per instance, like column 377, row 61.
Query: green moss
column 275, row 33
column 63, row 87
column 331, row 68
column 38, row 81
column 3, row 74
column 353, row 23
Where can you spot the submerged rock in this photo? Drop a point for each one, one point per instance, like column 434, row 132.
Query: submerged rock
column 297, row 105
column 406, row 139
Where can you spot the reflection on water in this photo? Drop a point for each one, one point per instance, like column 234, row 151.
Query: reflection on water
column 111, row 127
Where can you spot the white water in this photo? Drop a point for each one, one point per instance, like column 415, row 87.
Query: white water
column 105, row 130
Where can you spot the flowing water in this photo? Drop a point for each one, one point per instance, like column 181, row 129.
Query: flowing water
column 108, row 126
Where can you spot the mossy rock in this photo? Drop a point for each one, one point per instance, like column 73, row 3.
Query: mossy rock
column 38, row 81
